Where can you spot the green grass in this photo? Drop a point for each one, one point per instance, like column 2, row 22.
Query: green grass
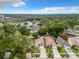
column 49, row 52
column 35, row 52
column 76, row 31
column 75, row 50
column 63, row 52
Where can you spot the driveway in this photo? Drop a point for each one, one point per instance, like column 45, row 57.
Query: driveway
column 61, row 41
column 56, row 53
column 43, row 52
column 28, row 56
column 71, row 54
column 15, row 57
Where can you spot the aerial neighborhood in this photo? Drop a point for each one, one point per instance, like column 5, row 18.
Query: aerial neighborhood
column 39, row 37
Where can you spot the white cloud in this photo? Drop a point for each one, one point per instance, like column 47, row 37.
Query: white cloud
column 55, row 10
column 19, row 4
column 49, row 10
column 14, row 3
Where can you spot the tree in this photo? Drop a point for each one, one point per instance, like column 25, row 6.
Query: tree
column 73, row 22
column 9, row 29
column 64, row 36
column 23, row 30
column 20, row 46
column 6, row 43
column 42, row 31
column 35, row 35
column 52, row 28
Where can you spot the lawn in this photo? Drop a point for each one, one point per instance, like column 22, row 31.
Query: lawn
column 76, row 31
column 18, row 55
column 75, row 50
column 49, row 52
column 35, row 52
column 63, row 52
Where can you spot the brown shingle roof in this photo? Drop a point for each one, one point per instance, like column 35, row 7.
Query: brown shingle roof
column 74, row 40
column 39, row 41
column 50, row 41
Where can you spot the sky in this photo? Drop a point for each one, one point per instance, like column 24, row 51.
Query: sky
column 39, row 6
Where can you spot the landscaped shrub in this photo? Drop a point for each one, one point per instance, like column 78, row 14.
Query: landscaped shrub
column 2, row 52
column 49, row 52
column 75, row 50
column 1, row 55
column 35, row 52
column 65, row 55
column 63, row 52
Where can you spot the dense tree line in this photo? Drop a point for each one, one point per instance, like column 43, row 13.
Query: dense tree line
column 53, row 28
column 57, row 25
column 14, row 40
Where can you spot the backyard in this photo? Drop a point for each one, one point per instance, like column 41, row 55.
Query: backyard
column 63, row 52
column 35, row 52
column 49, row 52
column 75, row 50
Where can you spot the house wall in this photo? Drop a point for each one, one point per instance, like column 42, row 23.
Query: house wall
column 70, row 43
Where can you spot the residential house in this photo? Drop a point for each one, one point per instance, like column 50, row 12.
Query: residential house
column 50, row 42
column 1, row 24
column 39, row 41
column 61, row 42
column 76, row 27
column 73, row 41
column 35, row 27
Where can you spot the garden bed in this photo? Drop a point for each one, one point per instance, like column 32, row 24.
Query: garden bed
column 75, row 50
column 63, row 52
column 49, row 52
column 35, row 52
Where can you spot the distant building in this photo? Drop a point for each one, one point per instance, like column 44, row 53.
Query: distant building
column 1, row 24
column 2, row 15
column 29, row 23
column 15, row 24
column 35, row 27
column 76, row 27
column 50, row 42
column 22, row 24
column 71, row 33
column 73, row 41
